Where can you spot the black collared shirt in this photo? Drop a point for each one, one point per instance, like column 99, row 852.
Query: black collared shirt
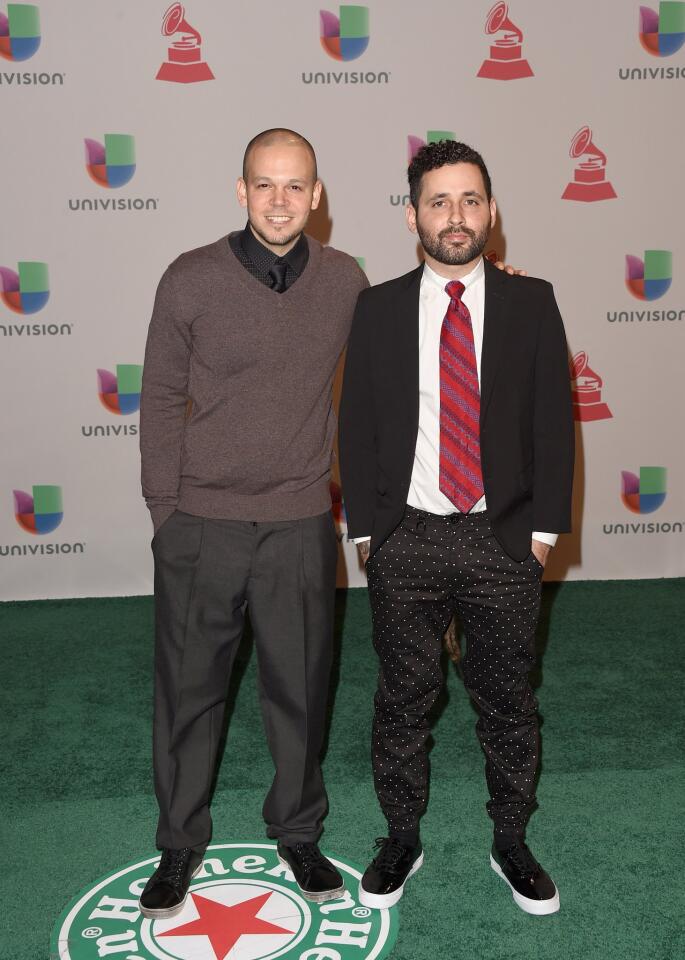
column 258, row 259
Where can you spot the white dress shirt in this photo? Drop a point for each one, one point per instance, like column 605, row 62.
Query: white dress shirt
column 424, row 489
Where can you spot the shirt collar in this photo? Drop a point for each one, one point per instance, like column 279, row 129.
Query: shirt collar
column 436, row 281
column 296, row 258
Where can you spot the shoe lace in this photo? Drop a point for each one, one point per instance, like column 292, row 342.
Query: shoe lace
column 523, row 859
column 309, row 855
column 391, row 852
column 172, row 864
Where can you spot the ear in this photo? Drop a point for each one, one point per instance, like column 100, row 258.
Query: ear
column 316, row 194
column 493, row 213
column 410, row 214
column 241, row 191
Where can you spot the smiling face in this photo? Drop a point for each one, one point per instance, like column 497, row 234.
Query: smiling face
column 453, row 218
column 279, row 192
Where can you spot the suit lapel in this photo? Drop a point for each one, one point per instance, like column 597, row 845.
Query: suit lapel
column 494, row 327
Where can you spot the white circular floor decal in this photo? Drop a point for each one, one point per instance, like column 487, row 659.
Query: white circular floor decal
column 242, row 905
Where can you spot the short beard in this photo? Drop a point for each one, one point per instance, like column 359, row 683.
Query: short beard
column 280, row 240
column 443, row 252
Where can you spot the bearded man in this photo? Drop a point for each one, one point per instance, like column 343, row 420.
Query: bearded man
column 456, row 446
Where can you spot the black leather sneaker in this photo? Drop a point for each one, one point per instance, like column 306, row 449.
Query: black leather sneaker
column 316, row 877
column 166, row 891
column 533, row 889
column 383, row 882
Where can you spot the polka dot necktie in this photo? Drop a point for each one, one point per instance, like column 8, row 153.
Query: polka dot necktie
column 461, row 479
column 277, row 273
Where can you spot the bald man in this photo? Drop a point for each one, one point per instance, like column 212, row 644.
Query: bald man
column 237, row 432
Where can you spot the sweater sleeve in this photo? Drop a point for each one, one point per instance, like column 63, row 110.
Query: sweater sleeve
column 164, row 401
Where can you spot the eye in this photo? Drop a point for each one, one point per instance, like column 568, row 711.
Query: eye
column 438, row 203
column 295, row 186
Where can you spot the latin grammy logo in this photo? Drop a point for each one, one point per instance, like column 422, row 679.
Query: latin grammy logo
column 589, row 177
column 586, row 391
column 506, row 59
column 184, row 63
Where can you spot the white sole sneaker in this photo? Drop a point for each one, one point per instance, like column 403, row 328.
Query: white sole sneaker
column 539, row 908
column 315, row 897
column 165, row 914
column 380, row 901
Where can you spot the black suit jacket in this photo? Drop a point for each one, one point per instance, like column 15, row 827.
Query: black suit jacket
column 526, row 420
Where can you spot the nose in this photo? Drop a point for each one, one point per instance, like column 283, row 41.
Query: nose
column 279, row 197
column 456, row 217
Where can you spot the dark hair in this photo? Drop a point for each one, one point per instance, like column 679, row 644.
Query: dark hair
column 439, row 154
column 268, row 138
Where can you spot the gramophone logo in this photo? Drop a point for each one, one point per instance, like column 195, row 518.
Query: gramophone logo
column 25, row 291
column 19, row 31
column 506, row 61
column 586, row 391
column 644, row 493
column 414, row 144
column 184, row 63
column 119, row 392
column 113, row 163
column 589, row 177
column 662, row 33
column 650, row 278
column 40, row 511
column 345, row 37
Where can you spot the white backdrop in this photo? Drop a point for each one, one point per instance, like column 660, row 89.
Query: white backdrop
column 94, row 74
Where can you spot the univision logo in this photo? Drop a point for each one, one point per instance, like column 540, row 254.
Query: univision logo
column 345, row 37
column 644, row 493
column 24, row 291
column 19, row 31
column 112, row 164
column 27, row 289
column 19, row 40
column 661, row 33
column 119, row 394
column 39, row 512
column 414, row 144
column 648, row 278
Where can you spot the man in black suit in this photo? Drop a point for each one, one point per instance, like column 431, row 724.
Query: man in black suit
column 456, row 444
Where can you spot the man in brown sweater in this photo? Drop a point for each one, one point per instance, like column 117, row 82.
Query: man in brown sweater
column 237, row 430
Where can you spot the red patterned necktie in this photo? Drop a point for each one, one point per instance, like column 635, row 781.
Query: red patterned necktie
column 461, row 479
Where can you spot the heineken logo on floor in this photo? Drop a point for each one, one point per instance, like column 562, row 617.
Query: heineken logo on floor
column 242, row 905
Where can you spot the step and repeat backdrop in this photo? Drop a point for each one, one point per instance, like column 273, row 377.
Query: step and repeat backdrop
column 124, row 127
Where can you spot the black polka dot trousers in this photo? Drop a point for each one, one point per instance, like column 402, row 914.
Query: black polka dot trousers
column 428, row 569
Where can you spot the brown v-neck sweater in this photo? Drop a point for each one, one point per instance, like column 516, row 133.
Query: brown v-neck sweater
column 236, row 416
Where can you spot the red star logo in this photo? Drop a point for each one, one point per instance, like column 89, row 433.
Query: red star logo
column 226, row 925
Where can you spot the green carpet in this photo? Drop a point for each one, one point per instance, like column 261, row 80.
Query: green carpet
column 78, row 800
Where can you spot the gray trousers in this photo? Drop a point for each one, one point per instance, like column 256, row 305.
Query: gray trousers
column 207, row 572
